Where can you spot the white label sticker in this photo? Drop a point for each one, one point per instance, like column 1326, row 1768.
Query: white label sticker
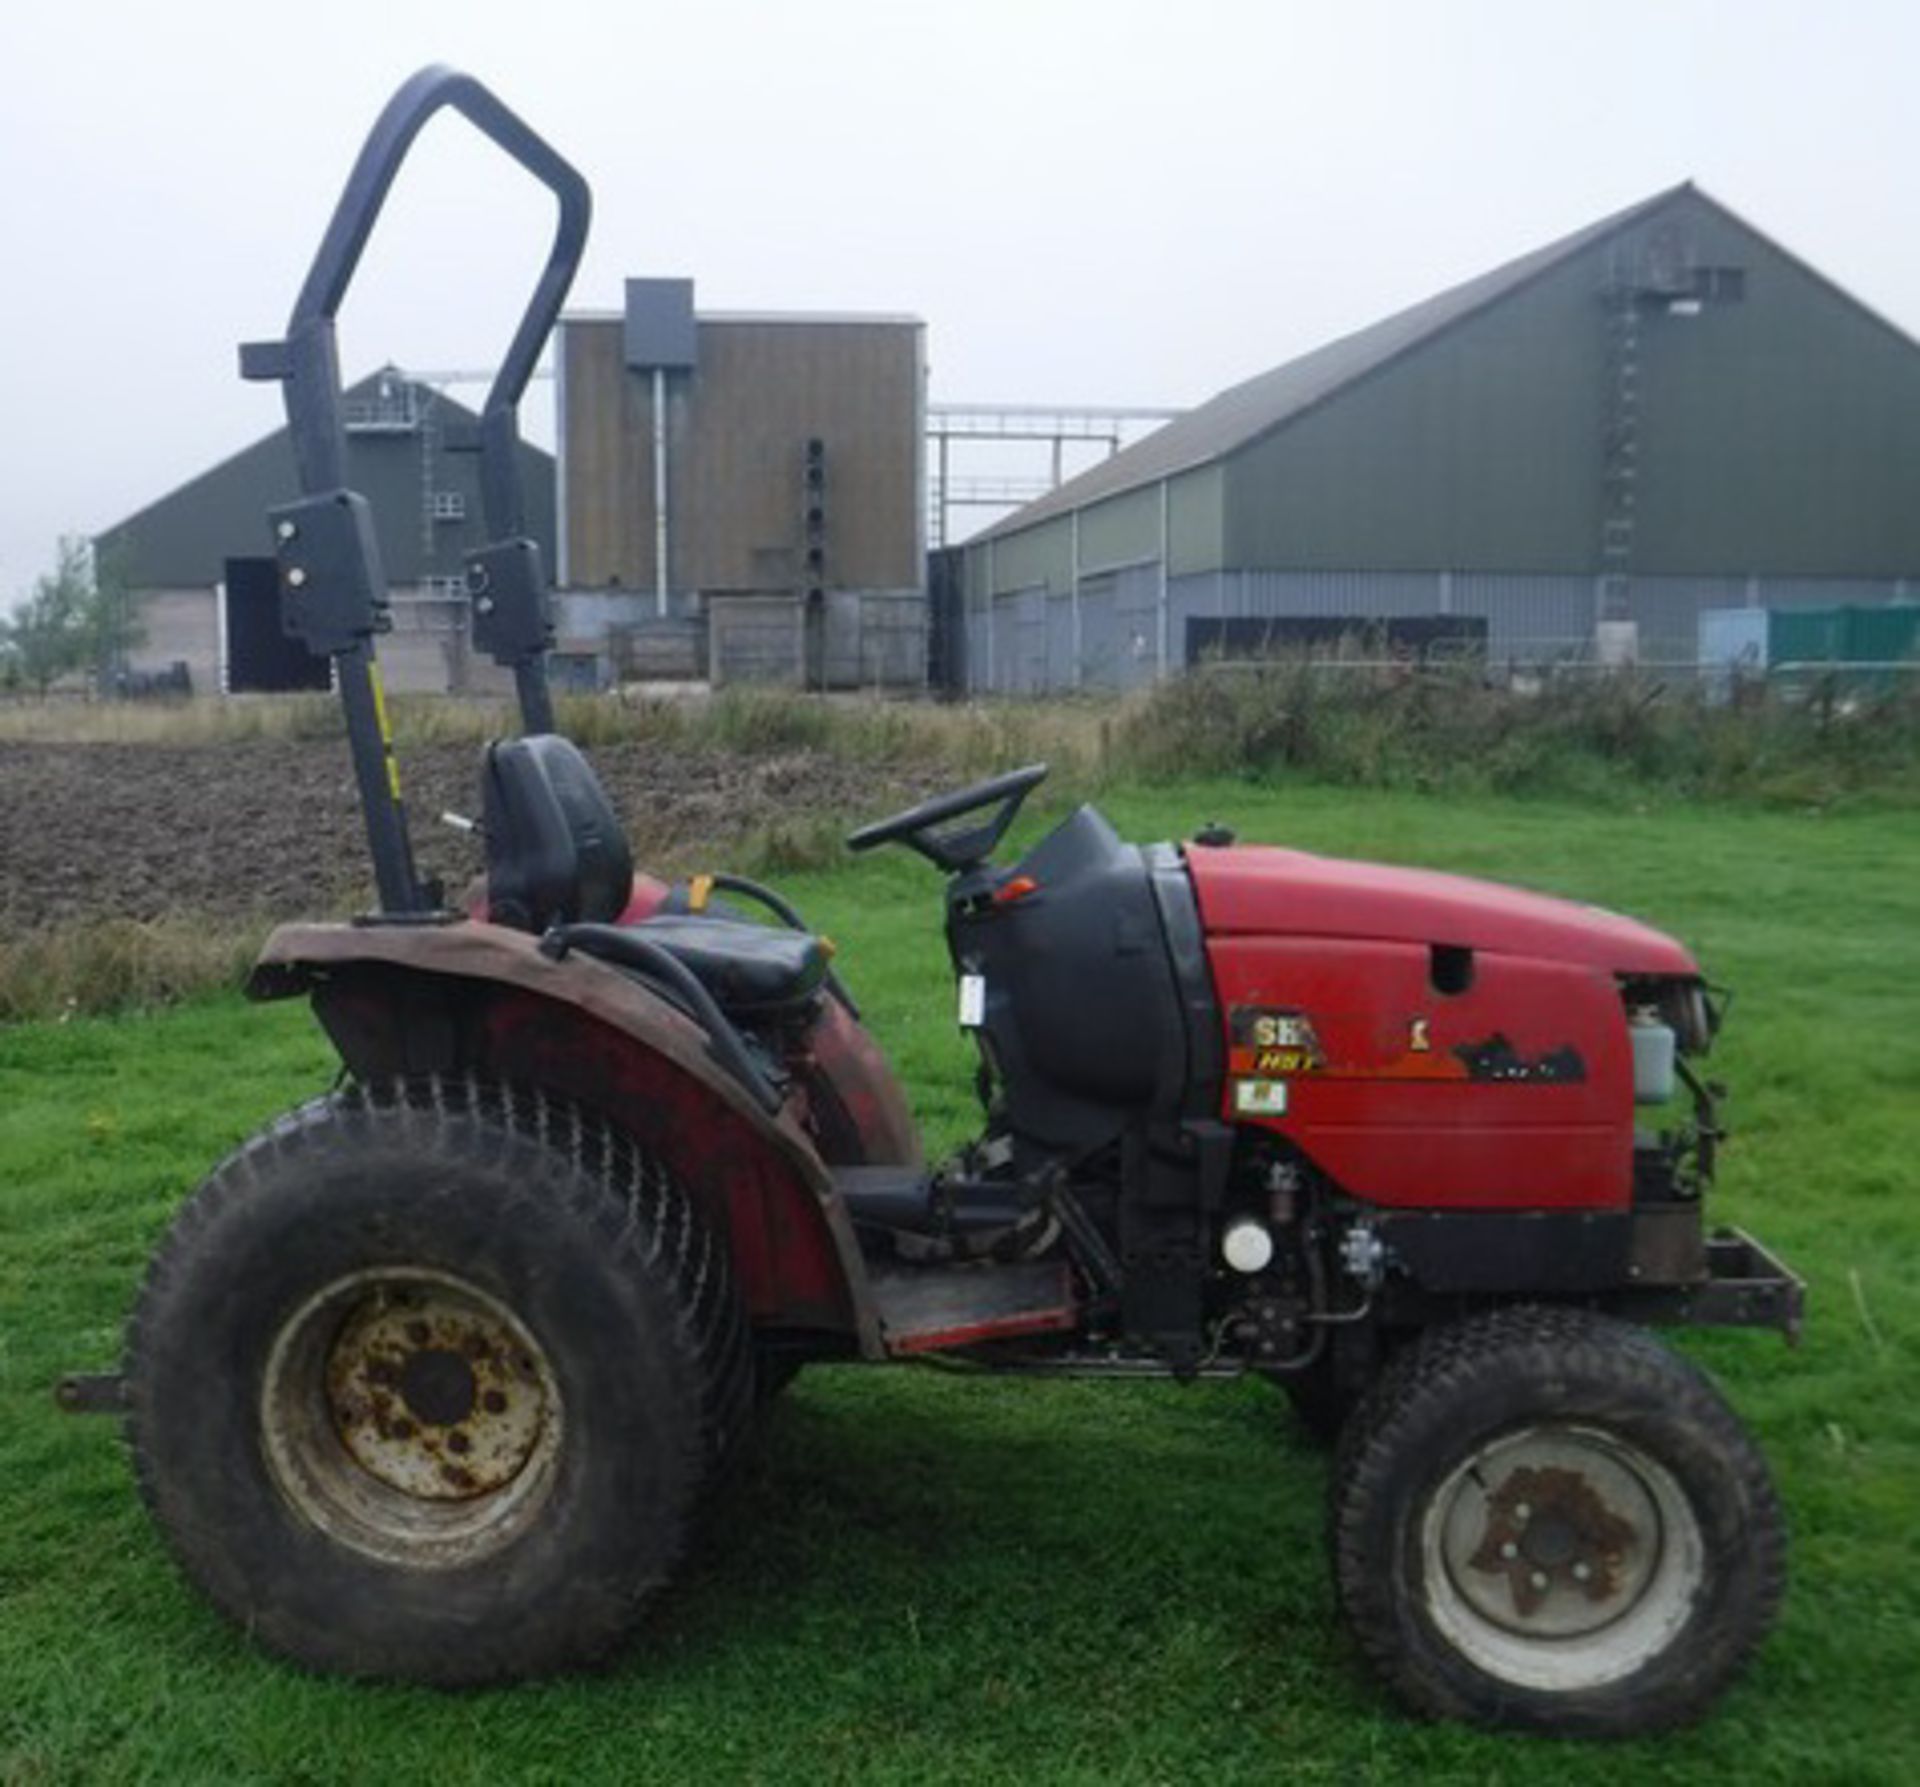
column 1260, row 1098
column 973, row 1001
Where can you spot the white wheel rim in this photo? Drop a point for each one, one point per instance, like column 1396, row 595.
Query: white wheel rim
column 1560, row 1557
column 411, row 1416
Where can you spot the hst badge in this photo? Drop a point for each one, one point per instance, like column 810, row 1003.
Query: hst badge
column 1272, row 1042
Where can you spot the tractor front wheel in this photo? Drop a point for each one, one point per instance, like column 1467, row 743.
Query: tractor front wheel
column 1545, row 1518
column 427, row 1383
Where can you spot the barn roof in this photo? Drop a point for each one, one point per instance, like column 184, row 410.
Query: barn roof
column 1244, row 412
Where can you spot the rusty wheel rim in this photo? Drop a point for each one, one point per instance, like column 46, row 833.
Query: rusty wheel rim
column 1560, row 1557
column 411, row 1416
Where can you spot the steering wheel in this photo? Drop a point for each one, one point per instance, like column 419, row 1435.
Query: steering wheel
column 962, row 847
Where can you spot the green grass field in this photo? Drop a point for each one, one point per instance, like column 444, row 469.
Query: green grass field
column 929, row 1579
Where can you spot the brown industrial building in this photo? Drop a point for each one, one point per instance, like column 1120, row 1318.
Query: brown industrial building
column 741, row 494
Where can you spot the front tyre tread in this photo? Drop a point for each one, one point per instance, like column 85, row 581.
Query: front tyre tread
column 1469, row 1381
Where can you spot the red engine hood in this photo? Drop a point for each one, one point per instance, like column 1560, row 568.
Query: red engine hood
column 1259, row 890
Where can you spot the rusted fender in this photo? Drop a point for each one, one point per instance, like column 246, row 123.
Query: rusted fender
column 466, row 997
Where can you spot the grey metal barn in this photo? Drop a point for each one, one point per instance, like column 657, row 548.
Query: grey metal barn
column 183, row 555
column 1663, row 413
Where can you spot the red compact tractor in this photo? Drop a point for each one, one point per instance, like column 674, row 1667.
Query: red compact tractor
column 433, row 1376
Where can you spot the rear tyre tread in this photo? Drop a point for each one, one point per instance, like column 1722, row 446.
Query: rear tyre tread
column 608, row 1187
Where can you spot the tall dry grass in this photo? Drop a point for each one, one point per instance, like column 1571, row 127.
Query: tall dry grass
column 749, row 721
column 120, row 964
column 1575, row 734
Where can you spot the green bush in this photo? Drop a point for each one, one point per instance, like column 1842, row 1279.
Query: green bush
column 1586, row 735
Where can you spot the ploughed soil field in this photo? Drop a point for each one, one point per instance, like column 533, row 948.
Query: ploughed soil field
column 271, row 827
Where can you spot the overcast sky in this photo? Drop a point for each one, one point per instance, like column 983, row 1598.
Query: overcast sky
column 1099, row 202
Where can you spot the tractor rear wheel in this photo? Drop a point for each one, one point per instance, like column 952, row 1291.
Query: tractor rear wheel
column 773, row 1372
column 426, row 1383
column 1545, row 1518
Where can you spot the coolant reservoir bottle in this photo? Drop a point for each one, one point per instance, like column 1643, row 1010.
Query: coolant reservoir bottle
column 1653, row 1046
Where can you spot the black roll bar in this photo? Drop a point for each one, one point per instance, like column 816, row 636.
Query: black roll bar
column 334, row 594
column 307, row 360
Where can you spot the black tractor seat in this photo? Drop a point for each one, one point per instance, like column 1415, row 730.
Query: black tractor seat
column 556, row 856
column 747, row 967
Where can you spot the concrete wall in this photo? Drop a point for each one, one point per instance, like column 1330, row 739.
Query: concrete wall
column 859, row 641
column 756, row 639
column 179, row 626
column 429, row 650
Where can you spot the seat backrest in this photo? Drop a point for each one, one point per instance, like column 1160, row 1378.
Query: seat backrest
column 555, row 852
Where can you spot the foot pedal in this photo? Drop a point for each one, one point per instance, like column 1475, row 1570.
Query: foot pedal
column 887, row 1197
column 928, row 1309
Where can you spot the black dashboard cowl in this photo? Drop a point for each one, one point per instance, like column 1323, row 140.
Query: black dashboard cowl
column 1083, row 1022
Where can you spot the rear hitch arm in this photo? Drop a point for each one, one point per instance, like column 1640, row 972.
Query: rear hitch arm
column 91, row 1393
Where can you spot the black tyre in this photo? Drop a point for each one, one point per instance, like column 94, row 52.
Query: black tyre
column 1544, row 1518
column 773, row 1372
column 426, row 1383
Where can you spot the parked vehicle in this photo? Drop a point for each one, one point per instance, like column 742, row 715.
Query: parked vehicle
column 433, row 1376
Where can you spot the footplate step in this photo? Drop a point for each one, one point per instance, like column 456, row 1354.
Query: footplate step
column 932, row 1308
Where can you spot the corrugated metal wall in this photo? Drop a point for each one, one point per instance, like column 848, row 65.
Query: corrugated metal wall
column 1025, row 645
column 1529, row 618
column 892, row 641
column 1667, row 612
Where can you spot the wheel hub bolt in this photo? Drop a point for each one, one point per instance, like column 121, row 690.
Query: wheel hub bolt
column 1539, row 1579
column 1581, row 1572
column 1523, row 1511
column 1509, row 1550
